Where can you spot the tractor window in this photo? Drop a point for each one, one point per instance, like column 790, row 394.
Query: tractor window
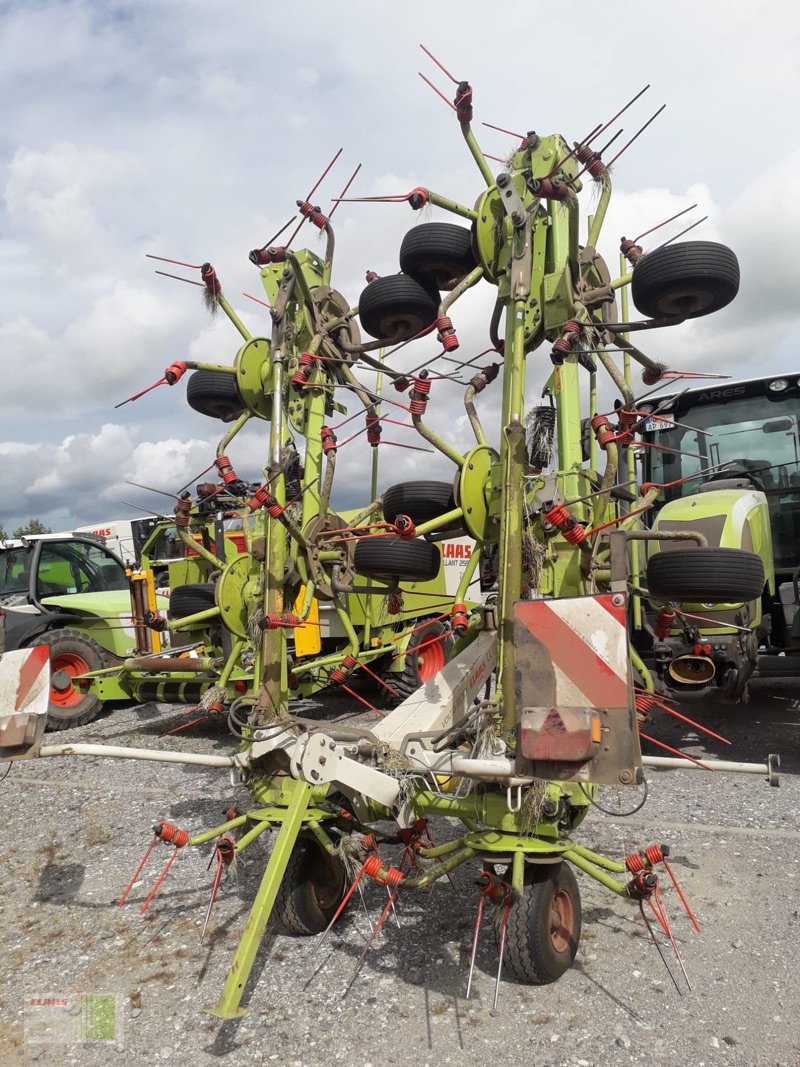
column 15, row 571
column 76, row 567
column 757, row 436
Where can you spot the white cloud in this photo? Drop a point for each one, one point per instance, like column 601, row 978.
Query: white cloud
column 181, row 131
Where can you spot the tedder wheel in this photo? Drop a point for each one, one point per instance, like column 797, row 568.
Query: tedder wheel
column 685, row 280
column 706, row 575
column 214, row 393
column 393, row 557
column 187, row 600
column 544, row 926
column 421, row 501
column 396, row 308
column 437, row 254
column 71, row 654
column 428, row 651
column 312, row 889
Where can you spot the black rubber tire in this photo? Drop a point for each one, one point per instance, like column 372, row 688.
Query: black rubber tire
column 71, row 653
column 706, row 575
column 437, row 254
column 394, row 557
column 187, row 600
column 396, row 308
column 685, row 280
column 311, row 890
column 421, row 501
column 404, row 683
column 538, row 951
column 214, row 393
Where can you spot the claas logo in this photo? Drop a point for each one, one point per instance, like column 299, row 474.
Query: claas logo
column 456, row 550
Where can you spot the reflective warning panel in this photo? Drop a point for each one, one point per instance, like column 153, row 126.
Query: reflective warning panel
column 574, row 693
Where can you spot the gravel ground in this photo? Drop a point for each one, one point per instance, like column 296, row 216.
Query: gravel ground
column 75, row 831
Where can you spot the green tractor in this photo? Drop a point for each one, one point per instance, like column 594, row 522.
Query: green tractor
column 728, row 454
column 71, row 594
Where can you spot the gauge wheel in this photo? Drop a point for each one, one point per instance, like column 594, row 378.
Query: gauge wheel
column 71, row 654
column 312, row 889
column 544, row 924
column 393, row 558
column 397, row 307
column 186, row 600
column 706, row 576
column 428, row 650
column 437, row 254
column 420, row 501
column 214, row 393
column 686, row 280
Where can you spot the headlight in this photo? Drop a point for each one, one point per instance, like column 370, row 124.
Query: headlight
column 778, row 385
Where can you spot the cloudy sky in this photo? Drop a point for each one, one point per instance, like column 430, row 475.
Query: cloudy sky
column 189, row 129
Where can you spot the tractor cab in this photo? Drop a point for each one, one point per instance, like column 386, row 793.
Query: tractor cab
column 42, row 576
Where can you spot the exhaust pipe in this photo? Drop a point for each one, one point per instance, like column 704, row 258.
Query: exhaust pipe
column 692, row 670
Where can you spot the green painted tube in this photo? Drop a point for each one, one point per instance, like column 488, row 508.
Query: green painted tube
column 594, row 872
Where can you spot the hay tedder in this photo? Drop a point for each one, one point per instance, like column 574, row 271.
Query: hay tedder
column 535, row 693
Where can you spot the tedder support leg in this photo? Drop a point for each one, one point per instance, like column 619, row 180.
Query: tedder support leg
column 228, row 1007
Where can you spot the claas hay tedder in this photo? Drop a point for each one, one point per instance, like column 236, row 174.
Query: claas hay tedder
column 539, row 693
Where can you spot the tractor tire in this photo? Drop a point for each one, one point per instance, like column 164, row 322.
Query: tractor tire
column 312, row 888
column 420, row 664
column 706, row 576
column 71, row 654
column 685, row 280
column 396, row 558
column 396, row 308
column 188, row 600
column 214, row 393
column 437, row 254
column 544, row 925
column 421, row 501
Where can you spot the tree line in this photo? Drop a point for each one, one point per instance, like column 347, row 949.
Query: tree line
column 32, row 526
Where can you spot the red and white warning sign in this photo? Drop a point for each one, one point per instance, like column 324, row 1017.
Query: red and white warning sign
column 586, row 640
column 574, row 694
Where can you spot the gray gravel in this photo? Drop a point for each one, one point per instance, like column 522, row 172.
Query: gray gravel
column 76, row 829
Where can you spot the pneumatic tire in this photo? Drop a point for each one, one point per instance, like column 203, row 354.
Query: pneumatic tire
column 686, row 280
column 706, row 576
column 428, row 650
column 214, row 393
column 312, row 888
column 421, row 501
column 190, row 599
column 544, row 925
column 397, row 307
column 393, row 558
column 71, row 655
column 437, row 254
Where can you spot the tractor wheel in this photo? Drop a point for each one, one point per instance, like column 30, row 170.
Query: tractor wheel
column 544, row 926
column 685, row 280
column 188, row 600
column 428, row 651
column 437, row 254
column 393, row 557
column 214, row 393
column 312, row 889
column 706, row 576
column 71, row 654
column 421, row 501
column 397, row 308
